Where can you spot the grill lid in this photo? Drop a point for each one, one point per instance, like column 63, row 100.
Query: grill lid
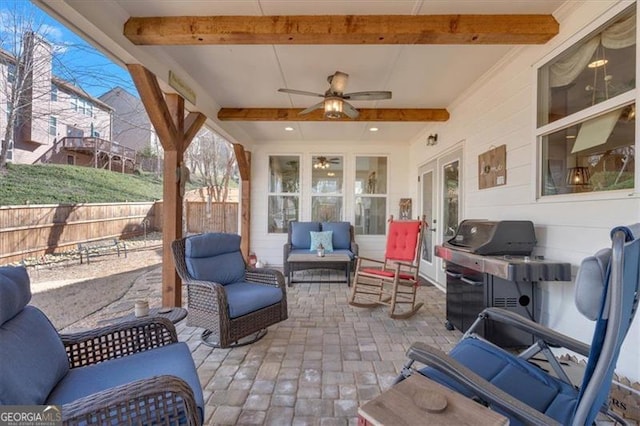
column 479, row 236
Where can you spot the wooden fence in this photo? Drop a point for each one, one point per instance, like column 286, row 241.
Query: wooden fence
column 36, row 230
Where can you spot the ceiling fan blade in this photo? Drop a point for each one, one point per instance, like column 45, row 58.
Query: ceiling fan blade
column 312, row 108
column 300, row 92
column 372, row 95
column 338, row 82
column 349, row 110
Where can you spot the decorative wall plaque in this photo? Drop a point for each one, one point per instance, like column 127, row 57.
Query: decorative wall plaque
column 492, row 168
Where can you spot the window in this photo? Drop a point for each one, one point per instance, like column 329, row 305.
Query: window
column 11, row 72
column 586, row 112
column 371, row 195
column 54, row 92
column 326, row 188
column 74, row 103
column 95, row 134
column 9, row 109
column 53, row 126
column 71, row 160
column 284, row 192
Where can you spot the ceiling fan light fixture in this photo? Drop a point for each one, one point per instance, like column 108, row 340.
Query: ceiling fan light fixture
column 333, row 107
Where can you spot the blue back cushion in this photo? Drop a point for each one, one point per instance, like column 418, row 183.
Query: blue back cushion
column 341, row 235
column 301, row 234
column 32, row 358
column 215, row 257
column 15, row 291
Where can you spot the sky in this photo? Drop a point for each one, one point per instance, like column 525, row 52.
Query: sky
column 74, row 59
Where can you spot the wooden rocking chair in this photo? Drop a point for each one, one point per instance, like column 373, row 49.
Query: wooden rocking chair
column 393, row 281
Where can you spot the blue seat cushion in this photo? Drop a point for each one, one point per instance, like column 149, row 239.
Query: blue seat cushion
column 174, row 360
column 32, row 358
column 517, row 377
column 244, row 298
column 15, row 291
column 301, row 234
column 215, row 257
column 341, row 234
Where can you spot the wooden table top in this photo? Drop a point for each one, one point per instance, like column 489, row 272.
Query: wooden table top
column 420, row 401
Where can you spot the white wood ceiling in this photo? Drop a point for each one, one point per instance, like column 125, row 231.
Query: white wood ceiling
column 420, row 76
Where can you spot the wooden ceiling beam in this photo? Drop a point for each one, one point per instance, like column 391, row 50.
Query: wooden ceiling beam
column 366, row 114
column 243, row 163
column 342, row 29
column 192, row 124
column 155, row 105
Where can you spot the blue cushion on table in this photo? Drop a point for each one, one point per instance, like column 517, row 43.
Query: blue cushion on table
column 15, row 291
column 322, row 238
column 300, row 233
column 174, row 360
column 515, row 376
column 341, row 234
column 32, row 358
column 215, row 257
column 244, row 298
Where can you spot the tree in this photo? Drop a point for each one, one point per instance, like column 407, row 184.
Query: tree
column 211, row 158
column 34, row 49
column 19, row 70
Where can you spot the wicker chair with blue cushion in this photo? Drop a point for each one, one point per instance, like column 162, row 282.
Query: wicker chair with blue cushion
column 233, row 304
column 607, row 287
column 131, row 373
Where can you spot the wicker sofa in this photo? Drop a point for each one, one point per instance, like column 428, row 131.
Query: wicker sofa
column 299, row 241
column 131, row 373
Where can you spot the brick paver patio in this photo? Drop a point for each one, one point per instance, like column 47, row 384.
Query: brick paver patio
column 316, row 368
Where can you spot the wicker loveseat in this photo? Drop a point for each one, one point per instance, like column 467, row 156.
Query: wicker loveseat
column 299, row 241
column 131, row 373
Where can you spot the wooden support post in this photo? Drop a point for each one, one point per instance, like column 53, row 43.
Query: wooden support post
column 168, row 118
column 244, row 167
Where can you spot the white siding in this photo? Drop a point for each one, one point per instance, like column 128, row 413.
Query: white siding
column 500, row 109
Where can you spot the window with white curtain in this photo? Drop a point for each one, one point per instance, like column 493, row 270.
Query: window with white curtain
column 284, row 192
column 586, row 112
column 327, row 175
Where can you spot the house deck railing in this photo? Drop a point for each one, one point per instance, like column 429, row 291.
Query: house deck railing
column 99, row 145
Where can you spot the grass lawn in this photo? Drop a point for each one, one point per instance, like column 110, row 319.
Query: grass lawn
column 56, row 184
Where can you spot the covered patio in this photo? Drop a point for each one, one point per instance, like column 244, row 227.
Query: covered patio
column 480, row 125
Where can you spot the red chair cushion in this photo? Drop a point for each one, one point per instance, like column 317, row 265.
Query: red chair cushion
column 402, row 241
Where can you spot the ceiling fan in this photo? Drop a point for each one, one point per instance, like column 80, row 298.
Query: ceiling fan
column 335, row 100
column 324, row 162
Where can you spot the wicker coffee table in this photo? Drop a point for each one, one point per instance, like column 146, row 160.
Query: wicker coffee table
column 302, row 261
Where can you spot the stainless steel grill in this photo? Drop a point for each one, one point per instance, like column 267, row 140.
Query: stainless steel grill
column 489, row 264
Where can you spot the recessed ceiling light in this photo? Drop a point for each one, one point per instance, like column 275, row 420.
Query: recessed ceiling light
column 373, row 129
column 289, row 129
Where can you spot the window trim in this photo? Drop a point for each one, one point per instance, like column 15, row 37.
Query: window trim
column 386, row 195
column 283, row 194
column 619, row 101
column 53, row 121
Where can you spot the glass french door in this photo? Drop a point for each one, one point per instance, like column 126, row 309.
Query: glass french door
column 441, row 204
column 428, row 194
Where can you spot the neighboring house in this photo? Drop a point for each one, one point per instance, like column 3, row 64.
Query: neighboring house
column 131, row 126
column 58, row 122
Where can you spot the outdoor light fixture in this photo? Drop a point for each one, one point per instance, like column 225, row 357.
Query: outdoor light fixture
column 333, row 107
column 432, row 140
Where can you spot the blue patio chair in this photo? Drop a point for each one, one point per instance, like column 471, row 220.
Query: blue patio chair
column 606, row 291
